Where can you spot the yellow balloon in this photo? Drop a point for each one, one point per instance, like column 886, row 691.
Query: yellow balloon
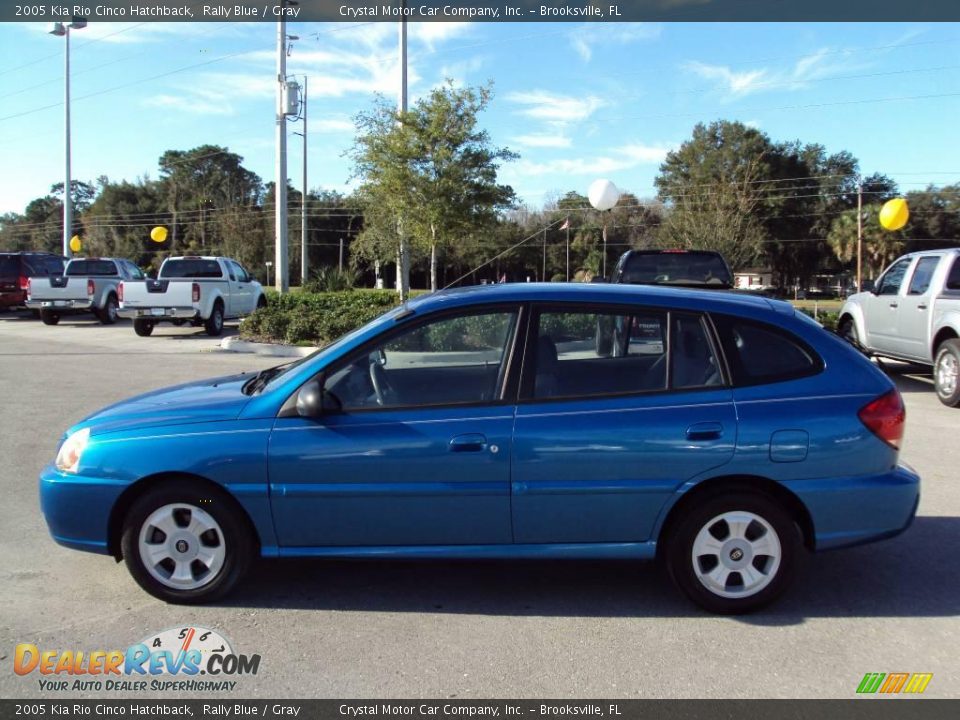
column 158, row 234
column 75, row 243
column 894, row 214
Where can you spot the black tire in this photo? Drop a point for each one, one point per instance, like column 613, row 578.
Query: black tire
column 847, row 329
column 946, row 364
column 234, row 536
column 143, row 328
column 261, row 302
column 49, row 317
column 178, row 323
column 108, row 314
column 35, row 313
column 681, row 563
column 214, row 323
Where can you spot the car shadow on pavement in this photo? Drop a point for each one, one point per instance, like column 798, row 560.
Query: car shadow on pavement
column 913, row 575
column 910, row 378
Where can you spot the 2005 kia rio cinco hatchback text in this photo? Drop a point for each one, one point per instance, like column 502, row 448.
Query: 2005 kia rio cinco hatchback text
column 724, row 434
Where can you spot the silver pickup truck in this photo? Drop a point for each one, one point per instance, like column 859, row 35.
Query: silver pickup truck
column 913, row 314
column 200, row 290
column 86, row 285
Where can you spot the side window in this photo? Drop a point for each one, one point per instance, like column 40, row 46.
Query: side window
column 231, row 270
column 759, row 353
column 692, row 360
column 450, row 361
column 242, row 275
column 135, row 272
column 892, row 279
column 953, row 279
column 584, row 354
column 922, row 273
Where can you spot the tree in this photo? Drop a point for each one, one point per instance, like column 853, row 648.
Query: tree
column 431, row 171
column 712, row 187
column 880, row 246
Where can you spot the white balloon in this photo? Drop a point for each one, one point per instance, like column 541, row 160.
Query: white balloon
column 603, row 194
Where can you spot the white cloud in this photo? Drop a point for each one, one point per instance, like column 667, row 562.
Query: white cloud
column 620, row 158
column 543, row 105
column 192, row 105
column 331, row 125
column 542, row 141
column 738, row 83
column 586, row 37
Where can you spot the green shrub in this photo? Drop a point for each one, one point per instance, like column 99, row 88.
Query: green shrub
column 826, row 318
column 316, row 318
column 330, row 279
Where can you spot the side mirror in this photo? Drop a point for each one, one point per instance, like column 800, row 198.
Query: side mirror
column 309, row 402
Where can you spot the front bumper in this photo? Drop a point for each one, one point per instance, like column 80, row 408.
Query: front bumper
column 78, row 305
column 159, row 313
column 856, row 510
column 77, row 508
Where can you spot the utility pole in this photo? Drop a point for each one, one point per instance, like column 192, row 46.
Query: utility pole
column 567, row 223
column 403, row 259
column 860, row 236
column 543, row 273
column 280, row 188
column 340, row 265
column 304, row 254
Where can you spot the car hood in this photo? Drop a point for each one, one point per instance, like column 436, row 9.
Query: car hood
column 210, row 400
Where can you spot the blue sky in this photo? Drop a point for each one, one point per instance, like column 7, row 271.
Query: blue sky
column 577, row 102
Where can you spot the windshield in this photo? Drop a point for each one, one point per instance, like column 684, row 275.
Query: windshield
column 191, row 268
column 677, row 268
column 91, row 267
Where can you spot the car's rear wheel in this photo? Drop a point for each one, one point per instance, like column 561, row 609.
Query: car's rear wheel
column 49, row 317
column 733, row 553
column 214, row 324
column 186, row 544
column 108, row 315
column 143, row 328
column 946, row 372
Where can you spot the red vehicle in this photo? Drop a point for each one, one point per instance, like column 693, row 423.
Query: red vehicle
column 16, row 268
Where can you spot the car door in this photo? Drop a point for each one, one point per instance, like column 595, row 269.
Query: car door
column 416, row 450
column 880, row 307
column 601, row 441
column 243, row 290
column 916, row 307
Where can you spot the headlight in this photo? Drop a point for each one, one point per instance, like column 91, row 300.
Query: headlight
column 69, row 456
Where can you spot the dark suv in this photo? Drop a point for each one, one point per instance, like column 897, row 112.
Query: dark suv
column 704, row 269
column 17, row 267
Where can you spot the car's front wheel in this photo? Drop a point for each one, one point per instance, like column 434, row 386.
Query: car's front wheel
column 733, row 553
column 946, row 372
column 184, row 544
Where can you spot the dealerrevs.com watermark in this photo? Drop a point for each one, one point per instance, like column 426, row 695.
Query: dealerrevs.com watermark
column 183, row 659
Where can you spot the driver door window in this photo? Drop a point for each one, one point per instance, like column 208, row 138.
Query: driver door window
column 892, row 280
column 452, row 361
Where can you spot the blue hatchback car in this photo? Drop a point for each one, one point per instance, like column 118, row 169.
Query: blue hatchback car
column 721, row 433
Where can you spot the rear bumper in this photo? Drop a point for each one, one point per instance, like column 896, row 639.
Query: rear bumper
column 12, row 298
column 77, row 508
column 857, row 510
column 159, row 313
column 61, row 305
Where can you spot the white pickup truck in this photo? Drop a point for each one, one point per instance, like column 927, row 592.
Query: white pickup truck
column 201, row 290
column 913, row 314
column 86, row 285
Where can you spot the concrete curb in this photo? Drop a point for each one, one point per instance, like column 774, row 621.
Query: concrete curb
column 235, row 344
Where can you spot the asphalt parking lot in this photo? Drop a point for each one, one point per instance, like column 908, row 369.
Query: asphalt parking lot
column 469, row 629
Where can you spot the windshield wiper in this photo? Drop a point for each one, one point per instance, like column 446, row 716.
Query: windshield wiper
column 260, row 380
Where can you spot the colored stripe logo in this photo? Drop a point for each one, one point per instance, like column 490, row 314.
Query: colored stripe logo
column 894, row 683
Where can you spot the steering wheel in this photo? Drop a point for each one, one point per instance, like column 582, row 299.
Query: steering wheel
column 378, row 378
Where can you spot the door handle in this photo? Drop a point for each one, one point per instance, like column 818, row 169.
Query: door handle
column 470, row 442
column 894, row 305
column 922, row 306
column 705, row 431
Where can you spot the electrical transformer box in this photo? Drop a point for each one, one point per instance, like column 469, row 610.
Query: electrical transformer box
column 290, row 98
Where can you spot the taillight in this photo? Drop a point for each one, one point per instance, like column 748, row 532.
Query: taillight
column 120, row 292
column 91, row 287
column 885, row 417
column 196, row 292
column 24, row 282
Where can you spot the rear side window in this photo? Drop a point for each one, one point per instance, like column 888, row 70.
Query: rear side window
column 191, row 268
column 953, row 279
column 922, row 273
column 91, row 268
column 759, row 353
column 9, row 266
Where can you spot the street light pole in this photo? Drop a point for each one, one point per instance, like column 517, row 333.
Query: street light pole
column 280, row 188
column 860, row 236
column 61, row 30
column 304, row 255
